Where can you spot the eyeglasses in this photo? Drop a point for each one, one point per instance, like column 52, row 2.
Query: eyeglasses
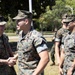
column 66, row 22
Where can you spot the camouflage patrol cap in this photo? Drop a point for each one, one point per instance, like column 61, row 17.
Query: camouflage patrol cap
column 68, row 18
column 64, row 16
column 23, row 14
column 2, row 21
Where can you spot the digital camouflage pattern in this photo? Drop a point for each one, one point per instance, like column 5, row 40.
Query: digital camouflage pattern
column 69, row 48
column 28, row 57
column 52, row 52
column 4, row 54
column 60, row 34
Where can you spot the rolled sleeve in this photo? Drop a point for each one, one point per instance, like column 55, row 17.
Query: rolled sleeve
column 58, row 36
column 41, row 48
column 40, row 44
column 62, row 46
column 56, row 39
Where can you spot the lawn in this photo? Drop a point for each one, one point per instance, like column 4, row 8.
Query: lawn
column 51, row 70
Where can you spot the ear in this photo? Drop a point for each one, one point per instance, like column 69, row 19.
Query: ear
column 26, row 21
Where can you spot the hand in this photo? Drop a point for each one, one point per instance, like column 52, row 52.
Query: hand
column 69, row 72
column 60, row 71
column 34, row 73
column 11, row 61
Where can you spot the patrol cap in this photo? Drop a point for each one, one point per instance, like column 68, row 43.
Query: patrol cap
column 2, row 21
column 64, row 16
column 23, row 14
column 68, row 18
column 73, row 17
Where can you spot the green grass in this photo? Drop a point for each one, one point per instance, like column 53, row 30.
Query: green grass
column 44, row 33
column 51, row 70
column 11, row 34
column 48, row 33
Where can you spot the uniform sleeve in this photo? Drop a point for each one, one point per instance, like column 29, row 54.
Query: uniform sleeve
column 58, row 36
column 7, row 41
column 62, row 46
column 7, row 38
column 40, row 44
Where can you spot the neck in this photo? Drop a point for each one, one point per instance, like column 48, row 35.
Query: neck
column 64, row 26
column 26, row 30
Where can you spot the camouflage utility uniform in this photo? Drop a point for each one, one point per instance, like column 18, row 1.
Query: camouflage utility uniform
column 69, row 48
column 60, row 34
column 29, row 45
column 4, row 54
column 52, row 53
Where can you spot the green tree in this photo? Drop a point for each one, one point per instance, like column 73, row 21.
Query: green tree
column 11, row 26
column 51, row 19
column 46, row 12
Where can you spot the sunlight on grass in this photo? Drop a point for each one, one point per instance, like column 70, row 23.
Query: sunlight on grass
column 51, row 70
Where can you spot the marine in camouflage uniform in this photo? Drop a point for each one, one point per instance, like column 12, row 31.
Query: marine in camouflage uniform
column 69, row 47
column 63, row 30
column 30, row 45
column 59, row 35
column 5, row 51
column 28, row 51
column 4, row 54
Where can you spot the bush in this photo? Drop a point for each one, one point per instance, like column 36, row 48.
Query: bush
column 11, row 25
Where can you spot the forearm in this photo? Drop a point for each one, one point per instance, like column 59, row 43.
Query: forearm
column 42, row 63
column 16, row 56
column 40, row 66
column 62, row 58
column 7, row 61
column 73, row 65
column 57, row 53
column 3, row 61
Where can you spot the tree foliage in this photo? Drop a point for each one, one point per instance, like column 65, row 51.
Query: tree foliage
column 11, row 6
column 51, row 19
column 47, row 13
